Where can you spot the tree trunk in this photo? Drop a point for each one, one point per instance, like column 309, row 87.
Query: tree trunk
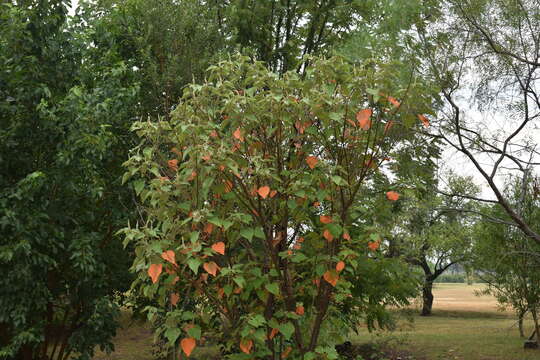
column 521, row 315
column 427, row 297
column 536, row 325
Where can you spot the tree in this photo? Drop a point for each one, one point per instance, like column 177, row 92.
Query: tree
column 437, row 234
column 488, row 51
column 252, row 208
column 62, row 139
column 508, row 260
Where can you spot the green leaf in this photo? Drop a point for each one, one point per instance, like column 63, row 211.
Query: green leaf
column 272, row 288
column 287, row 329
column 195, row 332
column 247, row 233
column 172, row 334
column 257, row 320
column 194, row 264
column 138, row 185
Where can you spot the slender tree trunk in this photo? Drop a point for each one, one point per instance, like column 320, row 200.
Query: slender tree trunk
column 521, row 315
column 427, row 297
column 536, row 325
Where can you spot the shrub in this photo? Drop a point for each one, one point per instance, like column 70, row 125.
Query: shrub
column 255, row 233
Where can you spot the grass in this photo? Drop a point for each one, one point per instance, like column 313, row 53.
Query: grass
column 462, row 327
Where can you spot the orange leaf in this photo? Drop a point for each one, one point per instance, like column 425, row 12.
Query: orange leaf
column 238, row 135
column 351, row 122
column 228, row 186
column 340, row 266
column 206, row 157
column 219, row 247
column 363, row 118
column 300, row 310
column 208, row 228
column 154, row 271
column 173, row 164
column 214, row 134
column 424, row 120
column 211, row 268
column 300, row 240
column 346, row 236
column 264, row 191
column 273, row 193
column 192, row 176
column 272, row 333
column 312, row 161
column 246, row 345
column 174, row 297
column 286, row 352
column 327, row 235
column 388, row 126
column 392, row 195
column 188, row 344
column 393, row 101
column 331, row 277
column 373, row 245
column 325, row 219
column 169, row 256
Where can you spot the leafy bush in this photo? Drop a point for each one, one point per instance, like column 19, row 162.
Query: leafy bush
column 255, row 231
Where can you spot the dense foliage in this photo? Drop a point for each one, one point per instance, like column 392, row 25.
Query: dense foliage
column 252, row 194
column 61, row 198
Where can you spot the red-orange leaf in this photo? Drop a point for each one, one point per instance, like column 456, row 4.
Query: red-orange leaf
column 173, row 164
column 424, row 120
column 246, row 345
column 169, row 256
column 325, row 219
column 328, row 235
column 373, row 245
column 174, row 297
column 392, row 195
column 312, row 161
column 346, row 236
column 331, row 277
column 393, row 101
column 264, row 191
column 211, row 268
column 238, row 135
column 154, row 271
column 363, row 118
column 208, row 228
column 219, row 247
column 340, row 266
column 300, row 310
column 286, row 352
column 188, row 344
column 273, row 193
column 272, row 333
column 388, row 126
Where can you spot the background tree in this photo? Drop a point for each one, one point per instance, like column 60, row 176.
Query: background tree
column 436, row 234
column 488, row 52
column 61, row 200
column 507, row 259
